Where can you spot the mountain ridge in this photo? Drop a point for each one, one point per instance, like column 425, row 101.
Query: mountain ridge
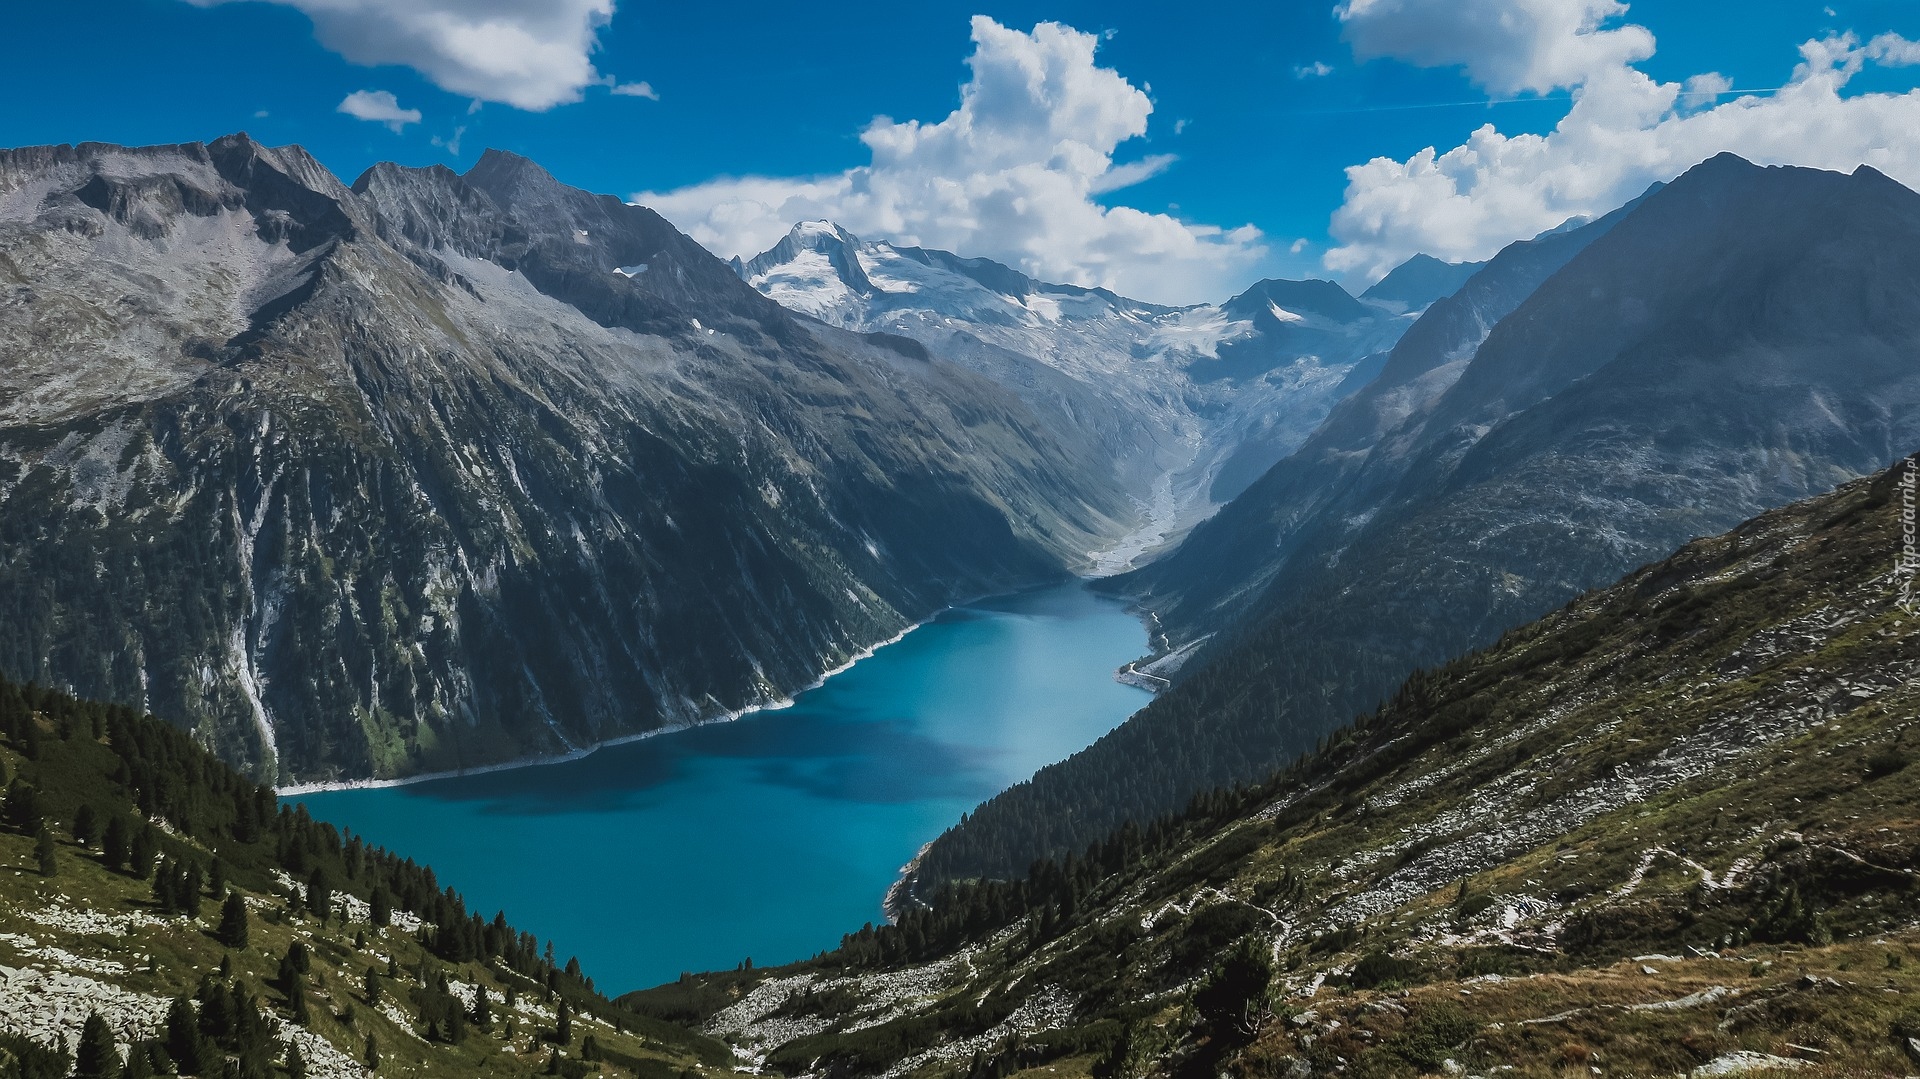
column 478, row 485
column 1500, row 498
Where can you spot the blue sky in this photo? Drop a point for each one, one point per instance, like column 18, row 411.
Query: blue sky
column 1252, row 113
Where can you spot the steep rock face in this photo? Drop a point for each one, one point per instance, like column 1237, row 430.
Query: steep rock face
column 1741, row 338
column 1227, row 561
column 440, row 471
column 1189, row 404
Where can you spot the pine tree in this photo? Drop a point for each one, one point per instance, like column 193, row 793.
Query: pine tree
column 140, row 856
column 371, row 983
column 372, row 1055
column 46, row 853
column 563, row 1027
column 217, row 877
column 296, row 1064
column 190, row 885
column 96, row 1057
column 22, row 810
column 297, row 1000
column 164, row 895
column 114, row 847
column 86, row 825
column 482, row 1017
column 233, row 922
column 184, row 1043
column 320, row 894
column 382, row 904
column 139, row 1062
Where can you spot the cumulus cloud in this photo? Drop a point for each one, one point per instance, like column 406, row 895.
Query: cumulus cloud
column 1011, row 174
column 1623, row 131
column 1507, row 46
column 532, row 54
column 380, row 107
column 1319, row 69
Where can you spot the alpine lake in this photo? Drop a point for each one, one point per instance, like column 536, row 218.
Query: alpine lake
column 770, row 836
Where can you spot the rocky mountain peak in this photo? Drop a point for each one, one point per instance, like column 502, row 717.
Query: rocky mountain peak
column 825, row 239
column 1421, row 281
column 1292, row 301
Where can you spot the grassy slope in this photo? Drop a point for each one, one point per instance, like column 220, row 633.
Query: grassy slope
column 1708, row 762
column 90, row 938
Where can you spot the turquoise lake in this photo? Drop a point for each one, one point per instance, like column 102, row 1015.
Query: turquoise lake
column 771, row 836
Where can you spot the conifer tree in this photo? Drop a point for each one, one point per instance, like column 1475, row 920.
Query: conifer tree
column 190, row 885
column 233, row 922
column 372, row 1055
column 45, row 852
column 96, row 1057
column 86, row 825
column 22, row 809
column 114, row 847
column 139, row 1062
column 320, row 894
column 296, row 1064
column 184, row 1044
column 482, row 1017
column 371, row 983
column 164, row 893
column 563, row 1027
column 140, row 856
column 297, row 999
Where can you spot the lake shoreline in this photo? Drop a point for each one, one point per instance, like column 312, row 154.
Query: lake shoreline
column 297, row 790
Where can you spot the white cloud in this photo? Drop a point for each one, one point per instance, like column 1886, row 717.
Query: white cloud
column 636, row 89
column 1623, row 132
column 450, row 143
column 1507, row 46
column 380, row 107
column 532, row 54
column 1319, row 69
column 1011, row 174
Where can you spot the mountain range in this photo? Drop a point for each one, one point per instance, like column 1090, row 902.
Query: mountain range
column 1536, row 680
column 1190, row 404
column 435, row 471
column 1735, row 340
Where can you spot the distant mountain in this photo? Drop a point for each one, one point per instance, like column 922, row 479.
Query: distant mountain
column 1741, row 338
column 1421, row 280
column 1189, row 403
column 1666, row 828
column 439, row 470
column 1224, row 565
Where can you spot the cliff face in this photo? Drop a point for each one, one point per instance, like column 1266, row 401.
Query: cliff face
column 436, row 471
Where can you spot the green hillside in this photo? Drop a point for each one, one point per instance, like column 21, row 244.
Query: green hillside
column 213, row 930
column 1669, row 827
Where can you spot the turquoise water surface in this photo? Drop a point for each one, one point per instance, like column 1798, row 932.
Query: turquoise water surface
column 770, row 836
